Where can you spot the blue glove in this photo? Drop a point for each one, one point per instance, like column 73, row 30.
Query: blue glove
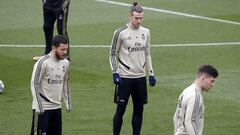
column 117, row 79
column 152, row 80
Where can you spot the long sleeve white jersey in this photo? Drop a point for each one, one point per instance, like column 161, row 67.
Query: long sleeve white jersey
column 49, row 83
column 189, row 115
column 130, row 52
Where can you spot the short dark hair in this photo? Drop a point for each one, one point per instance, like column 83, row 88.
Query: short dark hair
column 135, row 8
column 58, row 39
column 208, row 69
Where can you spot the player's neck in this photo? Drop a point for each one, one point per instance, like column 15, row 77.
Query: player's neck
column 54, row 56
column 198, row 84
column 132, row 26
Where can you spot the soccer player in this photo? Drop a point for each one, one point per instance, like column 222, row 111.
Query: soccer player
column 54, row 10
column 49, row 84
column 189, row 115
column 129, row 59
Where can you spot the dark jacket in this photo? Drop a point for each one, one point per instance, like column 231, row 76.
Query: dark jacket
column 52, row 4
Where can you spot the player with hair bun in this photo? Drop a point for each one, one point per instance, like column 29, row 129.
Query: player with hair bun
column 130, row 59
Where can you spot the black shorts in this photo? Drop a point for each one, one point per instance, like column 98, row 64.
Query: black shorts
column 136, row 87
column 50, row 122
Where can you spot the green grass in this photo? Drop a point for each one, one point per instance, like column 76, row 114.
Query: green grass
column 93, row 23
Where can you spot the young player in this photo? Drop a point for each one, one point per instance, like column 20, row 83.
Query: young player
column 189, row 115
column 129, row 58
column 49, row 84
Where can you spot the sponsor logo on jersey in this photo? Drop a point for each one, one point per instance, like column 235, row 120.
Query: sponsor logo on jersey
column 138, row 47
column 54, row 81
column 135, row 49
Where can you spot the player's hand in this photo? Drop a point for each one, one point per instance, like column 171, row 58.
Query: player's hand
column 40, row 111
column 152, row 80
column 69, row 110
column 117, row 79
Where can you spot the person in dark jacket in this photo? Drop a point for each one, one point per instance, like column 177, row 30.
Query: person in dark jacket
column 54, row 11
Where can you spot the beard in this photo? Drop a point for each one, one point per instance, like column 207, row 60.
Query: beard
column 136, row 25
column 59, row 57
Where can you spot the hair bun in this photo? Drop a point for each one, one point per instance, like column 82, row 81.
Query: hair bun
column 135, row 3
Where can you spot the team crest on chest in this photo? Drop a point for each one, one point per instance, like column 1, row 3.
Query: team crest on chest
column 143, row 37
column 64, row 69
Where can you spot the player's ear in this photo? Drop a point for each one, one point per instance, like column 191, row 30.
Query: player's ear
column 130, row 16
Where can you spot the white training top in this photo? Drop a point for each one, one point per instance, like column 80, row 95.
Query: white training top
column 130, row 52
column 189, row 115
column 49, row 83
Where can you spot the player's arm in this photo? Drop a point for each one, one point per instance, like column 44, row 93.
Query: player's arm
column 148, row 57
column 189, row 116
column 113, row 55
column 66, row 91
column 38, row 73
column 152, row 79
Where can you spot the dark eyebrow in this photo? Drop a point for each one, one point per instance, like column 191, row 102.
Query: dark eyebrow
column 138, row 17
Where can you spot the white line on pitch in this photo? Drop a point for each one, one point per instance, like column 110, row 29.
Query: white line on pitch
column 172, row 12
column 107, row 46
